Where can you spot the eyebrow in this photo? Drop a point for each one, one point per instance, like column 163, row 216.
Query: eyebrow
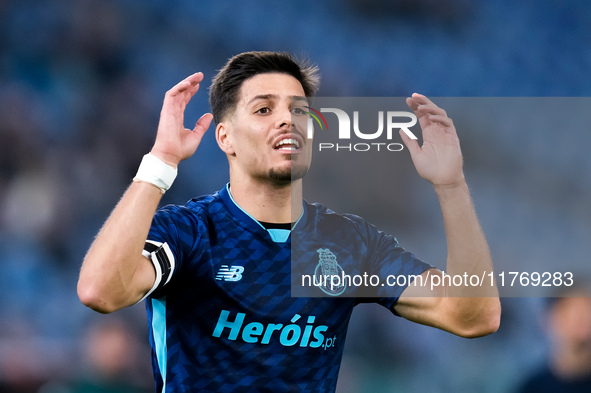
column 274, row 96
column 262, row 97
column 299, row 98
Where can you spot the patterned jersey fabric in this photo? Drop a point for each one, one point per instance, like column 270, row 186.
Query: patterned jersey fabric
column 222, row 316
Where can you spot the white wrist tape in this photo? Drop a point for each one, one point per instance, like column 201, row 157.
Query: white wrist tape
column 155, row 171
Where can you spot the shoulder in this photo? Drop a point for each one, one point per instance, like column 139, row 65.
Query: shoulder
column 196, row 206
column 323, row 217
column 195, row 211
column 319, row 211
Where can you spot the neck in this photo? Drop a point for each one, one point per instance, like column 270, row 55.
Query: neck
column 268, row 201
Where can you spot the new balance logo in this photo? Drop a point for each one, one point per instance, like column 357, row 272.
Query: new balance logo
column 232, row 273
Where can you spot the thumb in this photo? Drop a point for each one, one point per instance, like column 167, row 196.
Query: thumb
column 193, row 139
column 201, row 126
column 411, row 144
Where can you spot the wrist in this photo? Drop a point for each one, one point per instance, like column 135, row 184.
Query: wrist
column 451, row 188
column 165, row 158
column 155, row 171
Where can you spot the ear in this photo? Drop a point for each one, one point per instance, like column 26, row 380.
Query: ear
column 223, row 137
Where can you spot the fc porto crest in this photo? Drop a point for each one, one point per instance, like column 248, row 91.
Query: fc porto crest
column 329, row 274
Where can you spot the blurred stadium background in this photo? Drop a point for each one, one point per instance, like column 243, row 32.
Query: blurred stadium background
column 81, row 84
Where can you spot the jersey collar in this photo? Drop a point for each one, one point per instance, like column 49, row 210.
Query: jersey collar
column 241, row 214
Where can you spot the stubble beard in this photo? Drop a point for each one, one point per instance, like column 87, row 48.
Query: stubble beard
column 286, row 175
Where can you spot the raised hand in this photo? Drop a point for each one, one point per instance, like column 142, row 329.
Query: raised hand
column 439, row 160
column 174, row 142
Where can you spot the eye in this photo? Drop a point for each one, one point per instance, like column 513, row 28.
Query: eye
column 298, row 111
column 263, row 111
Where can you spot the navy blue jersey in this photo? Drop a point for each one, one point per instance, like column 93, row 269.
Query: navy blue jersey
column 221, row 313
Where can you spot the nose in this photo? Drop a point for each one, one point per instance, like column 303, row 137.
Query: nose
column 284, row 118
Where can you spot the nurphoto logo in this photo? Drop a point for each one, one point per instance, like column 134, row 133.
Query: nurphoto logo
column 359, row 124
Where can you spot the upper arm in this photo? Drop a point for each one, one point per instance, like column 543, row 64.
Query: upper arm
column 163, row 265
column 117, row 293
column 143, row 280
column 153, row 272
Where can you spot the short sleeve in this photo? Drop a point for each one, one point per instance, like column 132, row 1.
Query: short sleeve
column 396, row 267
column 170, row 240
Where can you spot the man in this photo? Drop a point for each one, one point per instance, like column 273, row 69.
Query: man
column 568, row 323
column 216, row 271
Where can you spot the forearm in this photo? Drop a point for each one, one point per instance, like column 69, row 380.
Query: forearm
column 457, row 303
column 111, row 275
column 467, row 248
column 468, row 255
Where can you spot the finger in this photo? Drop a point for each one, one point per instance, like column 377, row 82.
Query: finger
column 194, row 79
column 187, row 84
column 412, row 104
column 421, row 105
column 192, row 140
column 177, row 98
column 425, row 104
column 416, row 100
column 203, row 124
column 421, row 99
column 411, row 144
column 443, row 120
column 430, row 109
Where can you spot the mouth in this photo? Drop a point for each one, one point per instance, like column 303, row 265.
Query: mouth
column 288, row 143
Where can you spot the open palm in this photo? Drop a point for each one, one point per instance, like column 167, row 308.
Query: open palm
column 439, row 160
column 174, row 142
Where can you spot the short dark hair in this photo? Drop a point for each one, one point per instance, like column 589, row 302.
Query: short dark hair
column 225, row 88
